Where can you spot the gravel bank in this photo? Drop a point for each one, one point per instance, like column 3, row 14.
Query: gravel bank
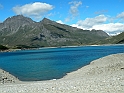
column 105, row 75
column 5, row 77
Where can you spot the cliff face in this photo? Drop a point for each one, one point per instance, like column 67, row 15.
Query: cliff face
column 20, row 30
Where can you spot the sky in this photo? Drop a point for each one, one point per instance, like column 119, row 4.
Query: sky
column 106, row 15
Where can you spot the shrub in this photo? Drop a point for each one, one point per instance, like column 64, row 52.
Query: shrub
column 3, row 47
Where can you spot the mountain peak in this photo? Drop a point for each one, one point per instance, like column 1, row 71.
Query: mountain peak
column 47, row 21
column 24, row 31
column 18, row 18
column 12, row 24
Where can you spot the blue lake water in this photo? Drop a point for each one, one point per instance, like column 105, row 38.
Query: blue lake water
column 52, row 63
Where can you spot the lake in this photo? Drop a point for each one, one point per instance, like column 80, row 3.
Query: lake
column 52, row 63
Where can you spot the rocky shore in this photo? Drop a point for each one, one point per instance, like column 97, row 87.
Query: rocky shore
column 5, row 77
column 104, row 75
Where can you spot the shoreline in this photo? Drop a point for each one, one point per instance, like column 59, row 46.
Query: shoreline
column 104, row 75
column 6, row 77
column 14, row 50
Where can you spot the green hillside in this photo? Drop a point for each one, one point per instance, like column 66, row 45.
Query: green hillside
column 118, row 39
column 20, row 31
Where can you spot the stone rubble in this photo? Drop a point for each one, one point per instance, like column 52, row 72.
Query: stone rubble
column 105, row 75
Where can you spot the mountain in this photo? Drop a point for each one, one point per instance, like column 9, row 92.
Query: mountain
column 118, row 39
column 23, row 31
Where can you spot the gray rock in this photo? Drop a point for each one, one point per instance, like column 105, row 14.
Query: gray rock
column 5, row 77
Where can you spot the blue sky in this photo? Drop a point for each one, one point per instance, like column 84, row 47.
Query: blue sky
column 107, row 15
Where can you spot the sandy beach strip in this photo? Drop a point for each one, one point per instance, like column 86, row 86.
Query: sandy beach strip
column 104, row 75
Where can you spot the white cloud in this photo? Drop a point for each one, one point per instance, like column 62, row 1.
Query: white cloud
column 60, row 21
column 121, row 15
column 87, row 6
column 73, row 11
column 36, row 9
column 74, row 7
column 76, row 25
column 90, row 22
column 98, row 23
column 50, row 14
column 110, row 28
column 1, row 6
column 101, row 12
column 67, row 19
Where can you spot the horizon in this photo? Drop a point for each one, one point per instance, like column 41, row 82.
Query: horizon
column 85, row 14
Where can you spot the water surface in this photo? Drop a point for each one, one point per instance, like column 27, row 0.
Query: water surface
column 52, row 63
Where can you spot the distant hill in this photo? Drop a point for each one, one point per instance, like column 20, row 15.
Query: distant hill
column 22, row 31
column 118, row 39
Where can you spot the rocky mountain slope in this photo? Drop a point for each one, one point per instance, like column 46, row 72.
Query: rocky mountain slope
column 22, row 31
column 118, row 39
